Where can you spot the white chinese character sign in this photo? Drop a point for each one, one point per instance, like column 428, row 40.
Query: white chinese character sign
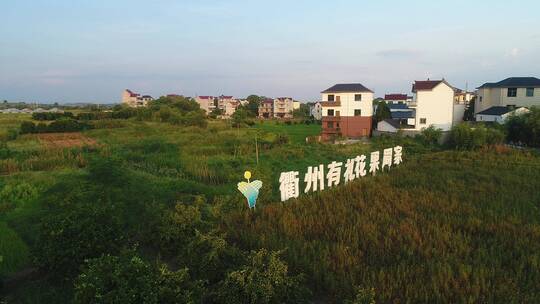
column 354, row 168
column 250, row 189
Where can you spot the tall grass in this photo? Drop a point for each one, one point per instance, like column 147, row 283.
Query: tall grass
column 13, row 251
column 447, row 227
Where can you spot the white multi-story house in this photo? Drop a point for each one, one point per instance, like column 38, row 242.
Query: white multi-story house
column 512, row 92
column 347, row 110
column 283, row 107
column 135, row 100
column 433, row 102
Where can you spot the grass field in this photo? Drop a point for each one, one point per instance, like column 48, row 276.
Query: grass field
column 444, row 227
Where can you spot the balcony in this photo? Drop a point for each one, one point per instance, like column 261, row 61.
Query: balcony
column 330, row 103
column 331, row 119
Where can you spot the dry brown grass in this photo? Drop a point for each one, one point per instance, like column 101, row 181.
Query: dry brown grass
column 65, row 140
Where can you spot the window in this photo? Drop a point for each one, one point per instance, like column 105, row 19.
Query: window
column 330, row 125
column 512, row 92
column 480, row 98
column 422, row 121
column 337, row 113
column 337, row 125
column 530, row 92
column 330, row 112
column 357, row 97
column 357, row 112
column 330, row 97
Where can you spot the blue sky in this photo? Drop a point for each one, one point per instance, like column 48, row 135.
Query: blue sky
column 89, row 51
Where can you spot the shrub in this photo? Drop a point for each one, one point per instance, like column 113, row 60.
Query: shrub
column 264, row 279
column 28, row 127
column 71, row 234
column 464, row 137
column 51, row 115
column 17, row 195
column 431, row 135
column 129, row 279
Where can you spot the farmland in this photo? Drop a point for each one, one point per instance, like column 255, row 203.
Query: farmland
column 445, row 226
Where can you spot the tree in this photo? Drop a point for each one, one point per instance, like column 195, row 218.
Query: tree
column 253, row 105
column 382, row 112
column 302, row 112
column 469, row 110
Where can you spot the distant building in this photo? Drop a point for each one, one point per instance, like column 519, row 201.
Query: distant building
column 513, row 91
column 397, row 99
column 463, row 97
column 283, row 107
column 499, row 114
column 135, row 100
column 227, row 104
column 266, row 108
column 206, row 103
column 347, row 110
column 296, row 105
column 315, row 110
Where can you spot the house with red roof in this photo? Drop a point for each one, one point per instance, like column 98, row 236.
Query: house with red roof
column 433, row 102
column 397, row 98
column 134, row 99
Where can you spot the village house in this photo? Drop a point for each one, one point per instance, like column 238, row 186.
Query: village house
column 135, row 100
column 499, row 114
column 283, row 107
column 433, row 101
column 397, row 99
column 206, row 103
column 347, row 110
column 512, row 92
column 227, row 104
column 266, row 108
column 433, row 104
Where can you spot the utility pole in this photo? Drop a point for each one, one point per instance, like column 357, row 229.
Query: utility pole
column 256, row 148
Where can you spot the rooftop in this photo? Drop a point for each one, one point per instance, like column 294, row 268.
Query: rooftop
column 395, row 97
column 516, row 82
column 426, row 85
column 347, row 88
column 497, row 111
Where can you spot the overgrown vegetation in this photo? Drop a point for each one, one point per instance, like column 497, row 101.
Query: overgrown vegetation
column 149, row 213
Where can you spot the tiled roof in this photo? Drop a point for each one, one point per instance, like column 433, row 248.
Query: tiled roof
column 516, row 82
column 206, row 97
column 425, row 85
column 395, row 97
column 347, row 88
column 497, row 111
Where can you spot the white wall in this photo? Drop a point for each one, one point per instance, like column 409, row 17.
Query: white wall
column 348, row 104
column 459, row 112
column 436, row 106
column 383, row 126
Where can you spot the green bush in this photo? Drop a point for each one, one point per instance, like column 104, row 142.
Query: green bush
column 465, row 137
column 431, row 135
column 71, row 234
column 51, row 115
column 264, row 279
column 129, row 279
column 28, row 127
column 525, row 128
